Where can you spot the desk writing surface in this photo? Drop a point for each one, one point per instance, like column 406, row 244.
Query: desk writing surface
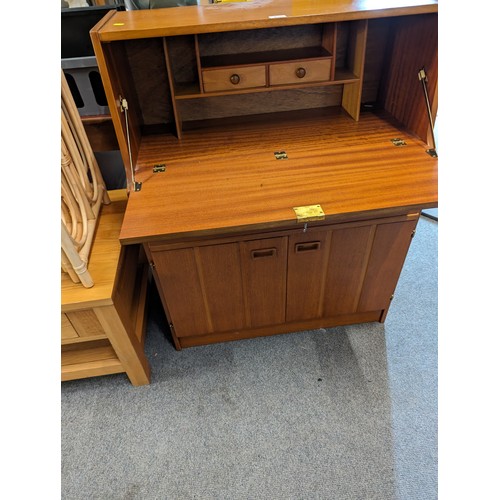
column 227, row 178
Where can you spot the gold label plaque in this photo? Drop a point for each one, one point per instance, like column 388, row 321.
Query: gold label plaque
column 309, row 213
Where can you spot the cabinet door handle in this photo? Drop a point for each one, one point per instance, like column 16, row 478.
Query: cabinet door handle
column 300, row 72
column 234, row 79
column 266, row 252
column 307, row 247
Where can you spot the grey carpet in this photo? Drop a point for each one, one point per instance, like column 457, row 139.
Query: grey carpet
column 343, row 413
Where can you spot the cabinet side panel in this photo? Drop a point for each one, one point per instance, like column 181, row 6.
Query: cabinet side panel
column 182, row 51
column 127, row 347
column 264, row 274
column 414, row 46
column 350, row 248
column 106, row 62
column 351, row 98
column 128, row 288
column 376, row 48
column 149, row 73
column 220, row 267
column 123, row 85
column 180, row 284
column 115, row 73
column 390, row 246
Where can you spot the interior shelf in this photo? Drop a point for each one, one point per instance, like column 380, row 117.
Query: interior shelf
column 271, row 56
column 89, row 359
column 191, row 90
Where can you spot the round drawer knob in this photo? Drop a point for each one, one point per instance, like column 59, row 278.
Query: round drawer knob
column 234, row 79
column 300, row 72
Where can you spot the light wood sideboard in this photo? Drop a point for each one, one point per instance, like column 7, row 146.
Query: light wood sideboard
column 103, row 327
column 232, row 117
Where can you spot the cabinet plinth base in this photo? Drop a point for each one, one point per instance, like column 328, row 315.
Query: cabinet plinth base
column 299, row 326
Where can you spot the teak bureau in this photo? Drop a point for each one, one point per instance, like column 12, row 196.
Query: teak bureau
column 278, row 156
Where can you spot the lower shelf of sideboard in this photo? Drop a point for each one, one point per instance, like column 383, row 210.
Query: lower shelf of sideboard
column 89, row 360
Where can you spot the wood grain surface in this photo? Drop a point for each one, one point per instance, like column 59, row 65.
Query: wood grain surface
column 103, row 261
column 251, row 15
column 226, row 178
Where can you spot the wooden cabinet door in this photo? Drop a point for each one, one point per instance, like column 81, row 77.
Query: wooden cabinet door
column 349, row 252
column 390, row 246
column 202, row 287
column 331, row 271
column 346, row 269
column 307, row 264
column 326, row 269
column 264, row 266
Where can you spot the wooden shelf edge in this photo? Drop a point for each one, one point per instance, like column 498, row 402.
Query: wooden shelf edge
column 91, row 369
column 82, row 340
column 95, row 119
column 188, row 93
column 276, row 56
column 93, row 361
column 89, row 304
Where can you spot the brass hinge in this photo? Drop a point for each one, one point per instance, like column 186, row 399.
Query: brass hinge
column 152, row 265
column 413, row 233
column 432, row 152
column 159, row 168
column 123, row 104
column 398, row 142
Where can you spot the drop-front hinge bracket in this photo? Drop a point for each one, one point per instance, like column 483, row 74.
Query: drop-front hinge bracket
column 124, row 109
column 422, row 76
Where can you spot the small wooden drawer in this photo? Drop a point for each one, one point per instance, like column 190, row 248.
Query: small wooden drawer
column 300, row 72
column 234, row 78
